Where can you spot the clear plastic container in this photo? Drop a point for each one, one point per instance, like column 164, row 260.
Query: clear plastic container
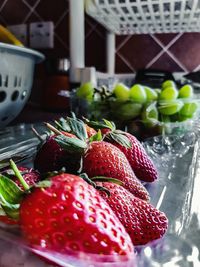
column 131, row 121
column 176, row 193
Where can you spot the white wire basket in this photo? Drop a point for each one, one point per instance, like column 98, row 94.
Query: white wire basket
column 146, row 16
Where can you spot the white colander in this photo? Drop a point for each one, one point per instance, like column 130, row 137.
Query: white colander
column 16, row 78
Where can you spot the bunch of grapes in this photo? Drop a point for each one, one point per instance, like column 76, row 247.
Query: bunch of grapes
column 153, row 108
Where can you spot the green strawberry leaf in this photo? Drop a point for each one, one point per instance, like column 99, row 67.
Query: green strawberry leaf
column 62, row 125
column 109, row 124
column 106, row 179
column 96, row 137
column 120, row 139
column 73, row 115
column 12, row 211
column 78, row 128
column 97, row 124
column 119, row 132
column 9, row 191
column 71, row 144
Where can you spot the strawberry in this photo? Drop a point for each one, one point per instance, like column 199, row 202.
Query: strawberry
column 102, row 158
column 70, row 215
column 52, row 157
column 142, row 221
column 90, row 131
column 140, row 162
column 8, row 221
column 105, row 131
column 30, row 176
column 105, row 159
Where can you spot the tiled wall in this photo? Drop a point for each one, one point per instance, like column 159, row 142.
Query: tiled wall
column 174, row 52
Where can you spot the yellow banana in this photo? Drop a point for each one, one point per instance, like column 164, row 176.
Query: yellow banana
column 7, row 37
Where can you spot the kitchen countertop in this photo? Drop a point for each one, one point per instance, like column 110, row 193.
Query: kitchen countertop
column 33, row 113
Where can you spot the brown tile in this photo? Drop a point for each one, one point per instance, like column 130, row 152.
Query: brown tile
column 90, row 20
column 33, row 18
column 187, row 50
column 62, row 29
column 121, row 66
column 166, row 38
column 2, row 21
column 89, row 26
column 51, row 11
column 31, row 2
column 165, row 62
column 2, row 2
column 14, row 12
column 95, row 51
column 101, row 30
column 58, row 51
column 139, row 50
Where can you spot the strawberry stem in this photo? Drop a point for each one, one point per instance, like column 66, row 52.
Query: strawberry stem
column 53, row 129
column 36, row 134
column 18, row 175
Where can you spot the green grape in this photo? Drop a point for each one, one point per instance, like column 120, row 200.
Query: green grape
column 170, row 108
column 158, row 91
column 150, row 115
column 168, row 83
column 186, row 91
column 121, row 92
column 182, row 118
column 128, row 110
column 189, row 108
column 138, row 94
column 151, row 94
column 170, row 93
column 86, row 91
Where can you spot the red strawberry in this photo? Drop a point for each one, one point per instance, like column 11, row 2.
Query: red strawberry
column 9, row 221
column 52, row 157
column 105, row 159
column 30, row 176
column 105, row 131
column 142, row 221
column 71, row 215
column 140, row 162
column 90, row 131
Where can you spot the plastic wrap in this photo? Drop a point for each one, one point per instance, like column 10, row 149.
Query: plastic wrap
column 176, row 193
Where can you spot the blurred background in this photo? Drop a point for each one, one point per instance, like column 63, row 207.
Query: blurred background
column 174, row 52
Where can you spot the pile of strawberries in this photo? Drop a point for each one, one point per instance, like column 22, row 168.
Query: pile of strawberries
column 85, row 193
